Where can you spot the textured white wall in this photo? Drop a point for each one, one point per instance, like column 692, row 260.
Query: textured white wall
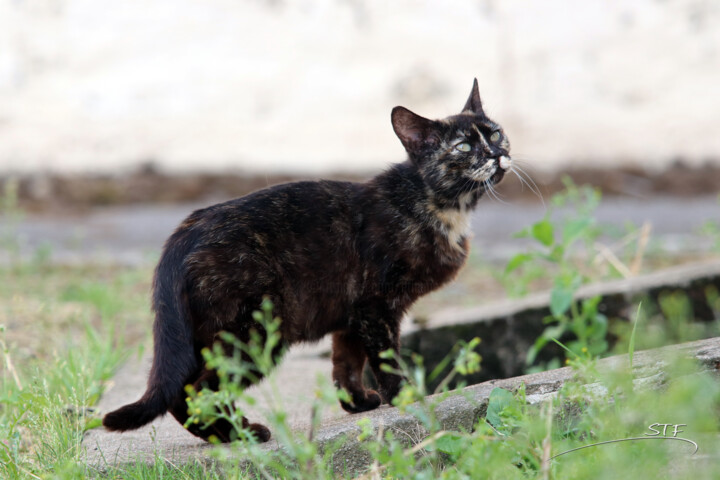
column 308, row 85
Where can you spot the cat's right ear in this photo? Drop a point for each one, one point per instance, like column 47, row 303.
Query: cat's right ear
column 473, row 103
column 414, row 131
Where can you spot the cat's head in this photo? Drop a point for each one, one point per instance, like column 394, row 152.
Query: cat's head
column 459, row 157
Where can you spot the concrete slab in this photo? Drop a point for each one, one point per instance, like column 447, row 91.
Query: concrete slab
column 291, row 386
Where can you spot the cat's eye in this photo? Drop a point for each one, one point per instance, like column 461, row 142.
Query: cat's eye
column 463, row 147
column 495, row 137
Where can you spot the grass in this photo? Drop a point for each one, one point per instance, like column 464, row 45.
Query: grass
column 64, row 332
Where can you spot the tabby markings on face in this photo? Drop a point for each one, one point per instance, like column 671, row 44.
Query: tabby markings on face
column 485, row 171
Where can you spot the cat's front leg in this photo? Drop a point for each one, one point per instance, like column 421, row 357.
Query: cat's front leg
column 379, row 336
column 349, row 357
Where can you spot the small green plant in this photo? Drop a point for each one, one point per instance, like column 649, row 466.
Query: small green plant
column 561, row 238
column 567, row 225
column 631, row 342
column 392, row 454
column 301, row 457
column 669, row 318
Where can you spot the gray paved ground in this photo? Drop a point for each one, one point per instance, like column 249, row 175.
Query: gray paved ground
column 133, row 233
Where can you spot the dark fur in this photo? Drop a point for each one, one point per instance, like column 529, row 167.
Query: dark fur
column 334, row 257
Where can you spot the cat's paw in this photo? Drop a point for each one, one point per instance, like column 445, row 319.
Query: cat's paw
column 391, row 388
column 261, row 432
column 371, row 401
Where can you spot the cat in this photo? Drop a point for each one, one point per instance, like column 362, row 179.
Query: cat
column 339, row 258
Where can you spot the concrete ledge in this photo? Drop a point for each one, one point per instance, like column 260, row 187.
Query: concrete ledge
column 687, row 276
column 462, row 409
column 509, row 328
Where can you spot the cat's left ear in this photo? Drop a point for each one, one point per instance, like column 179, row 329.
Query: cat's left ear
column 473, row 103
column 414, row 131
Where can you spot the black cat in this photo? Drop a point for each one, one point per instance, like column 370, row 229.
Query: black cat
column 334, row 257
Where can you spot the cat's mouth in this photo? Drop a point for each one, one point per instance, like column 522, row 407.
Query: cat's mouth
column 493, row 170
column 497, row 176
column 503, row 164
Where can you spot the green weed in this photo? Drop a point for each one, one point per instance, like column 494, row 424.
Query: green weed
column 564, row 241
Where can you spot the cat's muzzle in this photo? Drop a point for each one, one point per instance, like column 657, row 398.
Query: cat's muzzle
column 502, row 164
column 493, row 170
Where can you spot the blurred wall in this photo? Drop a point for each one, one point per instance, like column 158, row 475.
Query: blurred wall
column 309, row 85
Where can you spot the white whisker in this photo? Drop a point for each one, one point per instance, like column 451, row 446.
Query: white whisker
column 492, row 193
column 526, row 179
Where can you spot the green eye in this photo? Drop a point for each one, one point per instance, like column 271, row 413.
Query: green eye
column 495, row 137
column 463, row 147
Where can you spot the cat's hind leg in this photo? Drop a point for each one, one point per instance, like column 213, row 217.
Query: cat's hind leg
column 349, row 357
column 222, row 429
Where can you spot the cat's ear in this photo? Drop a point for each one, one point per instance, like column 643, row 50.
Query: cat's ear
column 413, row 130
column 473, row 103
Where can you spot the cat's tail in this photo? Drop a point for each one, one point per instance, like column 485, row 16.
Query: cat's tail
column 174, row 358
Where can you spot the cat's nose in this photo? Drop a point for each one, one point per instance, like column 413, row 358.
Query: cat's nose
column 504, row 162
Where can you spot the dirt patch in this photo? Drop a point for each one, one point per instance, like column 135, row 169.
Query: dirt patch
column 56, row 192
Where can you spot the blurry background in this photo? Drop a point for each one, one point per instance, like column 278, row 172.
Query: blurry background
column 307, row 86
column 119, row 118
